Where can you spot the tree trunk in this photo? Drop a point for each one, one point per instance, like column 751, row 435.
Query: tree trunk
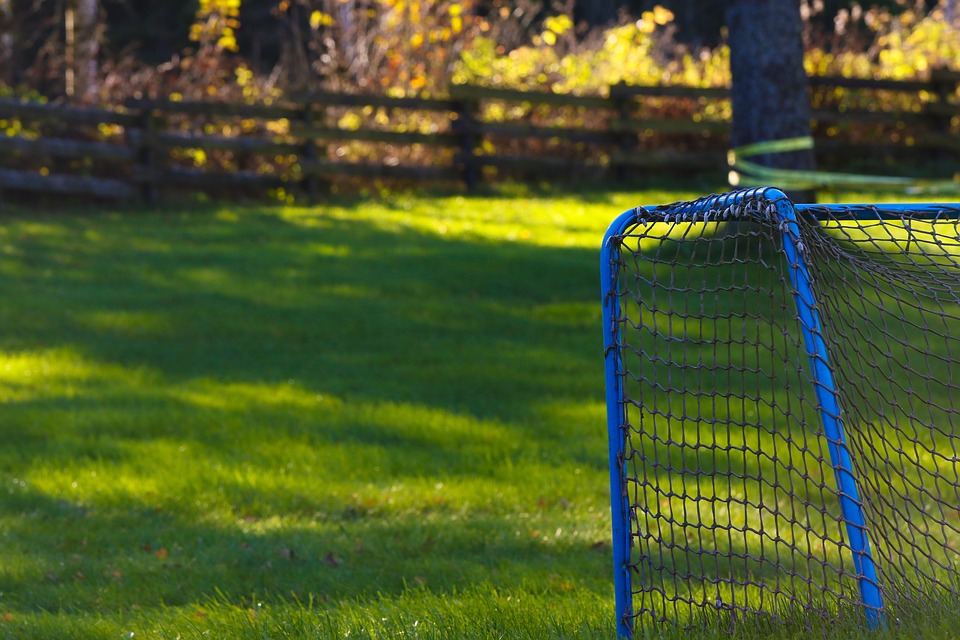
column 82, row 47
column 7, row 57
column 87, row 49
column 598, row 13
column 770, row 96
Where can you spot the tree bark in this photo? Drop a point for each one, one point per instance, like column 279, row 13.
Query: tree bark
column 87, row 49
column 598, row 13
column 770, row 95
column 82, row 46
column 6, row 44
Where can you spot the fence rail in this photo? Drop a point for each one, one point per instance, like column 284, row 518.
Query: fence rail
column 474, row 133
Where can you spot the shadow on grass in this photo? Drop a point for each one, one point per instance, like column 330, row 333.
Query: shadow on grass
column 218, row 344
column 89, row 558
column 335, row 306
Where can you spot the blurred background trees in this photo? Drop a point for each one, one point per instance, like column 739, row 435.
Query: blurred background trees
column 88, row 51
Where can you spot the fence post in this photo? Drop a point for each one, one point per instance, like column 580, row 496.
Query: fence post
column 309, row 184
column 466, row 126
column 147, row 156
column 621, row 101
column 944, row 84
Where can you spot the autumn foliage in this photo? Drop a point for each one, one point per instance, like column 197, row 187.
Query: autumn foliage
column 416, row 47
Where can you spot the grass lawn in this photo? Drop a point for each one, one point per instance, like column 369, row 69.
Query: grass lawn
column 372, row 419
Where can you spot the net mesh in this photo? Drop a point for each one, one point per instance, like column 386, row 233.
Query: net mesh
column 734, row 511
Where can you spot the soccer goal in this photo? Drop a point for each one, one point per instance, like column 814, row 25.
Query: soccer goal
column 783, row 398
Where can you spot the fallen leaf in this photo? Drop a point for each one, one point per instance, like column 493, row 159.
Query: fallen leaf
column 332, row 561
column 7, row 616
column 162, row 553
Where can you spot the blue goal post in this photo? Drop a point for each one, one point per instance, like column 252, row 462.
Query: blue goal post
column 783, row 408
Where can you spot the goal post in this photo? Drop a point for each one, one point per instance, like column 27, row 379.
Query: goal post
column 780, row 382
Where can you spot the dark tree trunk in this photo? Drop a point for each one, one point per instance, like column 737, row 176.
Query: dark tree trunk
column 770, row 97
column 598, row 13
column 7, row 56
column 88, row 48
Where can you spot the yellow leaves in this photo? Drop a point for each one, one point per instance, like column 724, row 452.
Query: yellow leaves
column 628, row 52
column 558, row 24
column 227, row 40
column 105, row 130
column 662, row 16
column 350, row 121
column 905, row 45
column 244, row 75
column 555, row 26
column 650, row 20
column 196, row 32
column 216, row 23
column 320, row 19
column 198, row 156
column 419, row 41
column 278, row 127
column 645, row 25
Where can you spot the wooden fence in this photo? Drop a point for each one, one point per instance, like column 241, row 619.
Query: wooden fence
column 474, row 134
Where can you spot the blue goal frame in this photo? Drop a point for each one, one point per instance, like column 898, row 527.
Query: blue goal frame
column 785, row 215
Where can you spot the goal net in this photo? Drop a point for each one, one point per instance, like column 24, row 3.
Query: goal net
column 782, row 393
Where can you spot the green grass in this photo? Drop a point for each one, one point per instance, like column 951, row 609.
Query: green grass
column 369, row 419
